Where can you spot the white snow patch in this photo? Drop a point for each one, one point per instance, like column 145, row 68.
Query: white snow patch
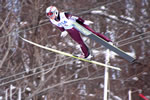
column 128, row 18
column 54, row 30
column 1, row 98
column 82, row 89
column 23, row 23
column 101, row 85
column 78, row 62
column 148, row 97
column 113, row 17
column 28, row 89
column 62, row 44
column 12, row 87
column 135, row 78
column 97, row 12
column 95, row 52
column 78, row 46
column 114, row 96
column 132, row 54
column 35, row 84
column 91, row 95
column 144, row 12
column 114, row 76
column 112, row 54
column 117, row 98
column 145, row 73
column 76, row 76
column 103, row 7
column 70, row 44
column 104, row 13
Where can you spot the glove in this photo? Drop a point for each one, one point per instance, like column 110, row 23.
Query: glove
column 88, row 22
column 74, row 18
column 64, row 33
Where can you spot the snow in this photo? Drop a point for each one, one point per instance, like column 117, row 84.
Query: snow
column 28, row 89
column 103, row 7
column 54, row 30
column 135, row 78
column 82, row 89
column 97, row 12
column 132, row 54
column 34, row 82
column 61, row 44
column 117, row 98
column 1, row 98
column 114, row 96
column 23, row 23
column 70, row 44
column 148, row 97
column 128, row 18
column 12, row 87
column 145, row 73
column 91, row 95
column 113, row 17
column 143, row 11
column 104, row 13
column 76, row 75
column 112, row 54
column 101, row 85
column 95, row 52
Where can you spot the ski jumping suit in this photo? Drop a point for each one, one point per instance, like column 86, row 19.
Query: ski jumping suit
column 65, row 24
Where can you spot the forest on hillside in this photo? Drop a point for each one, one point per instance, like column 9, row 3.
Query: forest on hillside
column 28, row 72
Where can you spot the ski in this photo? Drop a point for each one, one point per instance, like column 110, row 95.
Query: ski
column 92, row 36
column 68, row 54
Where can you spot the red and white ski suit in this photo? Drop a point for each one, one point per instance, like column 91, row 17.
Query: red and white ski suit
column 64, row 23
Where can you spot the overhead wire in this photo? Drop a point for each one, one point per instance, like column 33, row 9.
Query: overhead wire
column 48, row 23
column 134, row 41
column 22, row 73
column 123, row 40
column 40, row 67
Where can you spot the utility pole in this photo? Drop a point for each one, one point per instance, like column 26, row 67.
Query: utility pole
column 106, row 78
column 19, row 94
column 129, row 94
column 6, row 94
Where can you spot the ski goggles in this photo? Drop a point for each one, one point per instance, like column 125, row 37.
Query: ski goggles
column 50, row 14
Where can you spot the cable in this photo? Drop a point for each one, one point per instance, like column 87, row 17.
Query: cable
column 48, row 22
column 32, row 27
column 63, row 59
column 58, row 61
column 133, row 41
column 67, row 82
column 25, row 72
column 29, row 75
column 134, row 36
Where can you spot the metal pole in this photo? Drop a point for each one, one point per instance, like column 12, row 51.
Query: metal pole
column 10, row 92
column 6, row 94
column 19, row 94
column 129, row 93
column 107, row 59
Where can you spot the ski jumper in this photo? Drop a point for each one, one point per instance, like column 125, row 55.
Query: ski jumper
column 64, row 23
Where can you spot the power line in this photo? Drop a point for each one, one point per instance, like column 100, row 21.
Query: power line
column 133, row 41
column 66, row 82
column 61, row 60
column 134, row 36
column 27, row 75
column 118, row 41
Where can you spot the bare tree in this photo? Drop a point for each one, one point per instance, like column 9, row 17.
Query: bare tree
column 44, row 75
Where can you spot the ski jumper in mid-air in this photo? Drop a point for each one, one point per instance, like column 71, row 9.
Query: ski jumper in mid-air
column 64, row 21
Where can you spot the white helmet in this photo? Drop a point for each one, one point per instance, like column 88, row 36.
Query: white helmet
column 52, row 12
